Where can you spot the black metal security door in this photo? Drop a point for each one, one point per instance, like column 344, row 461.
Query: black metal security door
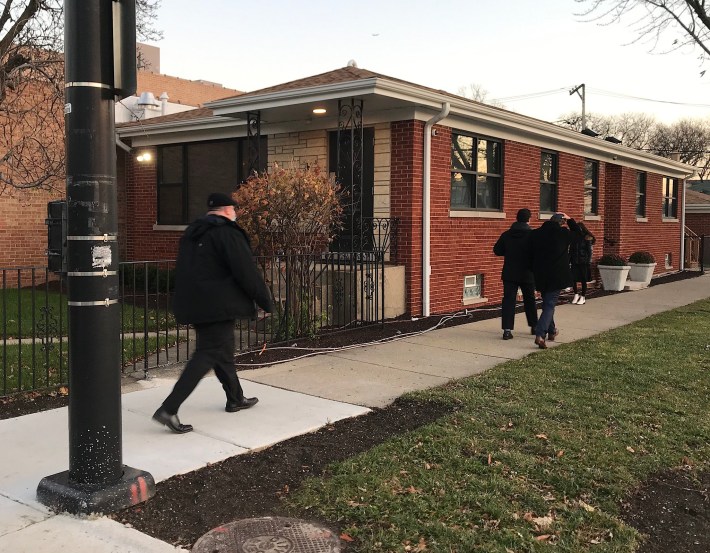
column 352, row 156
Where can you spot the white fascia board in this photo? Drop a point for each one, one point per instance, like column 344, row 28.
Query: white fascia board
column 697, row 208
column 188, row 125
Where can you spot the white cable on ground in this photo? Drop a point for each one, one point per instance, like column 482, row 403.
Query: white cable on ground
column 320, row 351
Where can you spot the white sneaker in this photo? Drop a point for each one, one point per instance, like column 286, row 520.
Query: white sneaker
column 576, row 298
column 581, row 301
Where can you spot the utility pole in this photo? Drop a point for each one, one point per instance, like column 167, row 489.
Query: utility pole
column 95, row 72
column 582, row 95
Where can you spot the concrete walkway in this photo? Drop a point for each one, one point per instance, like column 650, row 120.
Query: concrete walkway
column 295, row 397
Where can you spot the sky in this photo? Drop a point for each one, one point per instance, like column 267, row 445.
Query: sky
column 510, row 48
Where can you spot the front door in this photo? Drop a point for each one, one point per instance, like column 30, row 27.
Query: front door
column 356, row 175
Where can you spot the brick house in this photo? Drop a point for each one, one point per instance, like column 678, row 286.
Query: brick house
column 23, row 233
column 452, row 171
column 697, row 212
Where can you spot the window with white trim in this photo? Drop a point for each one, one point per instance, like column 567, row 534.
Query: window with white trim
column 476, row 172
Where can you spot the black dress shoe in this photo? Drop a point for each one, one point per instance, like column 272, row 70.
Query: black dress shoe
column 244, row 403
column 540, row 342
column 161, row 416
column 507, row 335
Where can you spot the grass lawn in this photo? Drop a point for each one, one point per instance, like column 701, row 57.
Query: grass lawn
column 41, row 369
column 27, row 312
column 541, row 451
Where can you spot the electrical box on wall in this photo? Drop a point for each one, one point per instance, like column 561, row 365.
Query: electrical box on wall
column 56, row 222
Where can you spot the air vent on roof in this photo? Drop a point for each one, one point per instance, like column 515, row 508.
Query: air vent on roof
column 352, row 63
column 613, row 140
column 589, row 132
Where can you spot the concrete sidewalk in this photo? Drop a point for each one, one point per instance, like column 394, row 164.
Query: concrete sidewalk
column 295, row 397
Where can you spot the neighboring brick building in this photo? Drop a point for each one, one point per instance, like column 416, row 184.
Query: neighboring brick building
column 484, row 164
column 697, row 212
column 23, row 233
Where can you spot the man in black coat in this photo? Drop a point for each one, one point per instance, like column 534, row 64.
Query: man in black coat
column 549, row 246
column 514, row 245
column 216, row 283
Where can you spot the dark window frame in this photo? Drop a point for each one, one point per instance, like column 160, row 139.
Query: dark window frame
column 552, row 183
column 475, row 173
column 641, row 180
column 593, row 187
column 184, row 185
column 670, row 198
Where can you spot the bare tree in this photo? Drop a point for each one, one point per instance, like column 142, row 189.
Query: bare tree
column 478, row 93
column 633, row 129
column 686, row 21
column 32, row 89
column 688, row 138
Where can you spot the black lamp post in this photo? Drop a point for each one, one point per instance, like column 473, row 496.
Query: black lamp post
column 97, row 35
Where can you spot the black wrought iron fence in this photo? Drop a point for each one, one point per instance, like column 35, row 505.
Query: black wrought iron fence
column 311, row 293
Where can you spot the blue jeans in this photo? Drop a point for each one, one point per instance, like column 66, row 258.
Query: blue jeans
column 546, row 322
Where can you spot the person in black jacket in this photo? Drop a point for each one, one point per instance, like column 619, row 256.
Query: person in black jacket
column 513, row 244
column 216, row 282
column 549, row 245
column 580, row 258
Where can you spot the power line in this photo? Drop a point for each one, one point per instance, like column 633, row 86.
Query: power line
column 599, row 91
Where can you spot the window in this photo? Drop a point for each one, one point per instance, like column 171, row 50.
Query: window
column 472, row 287
column 640, row 194
column 670, row 197
column 591, row 187
column 188, row 173
column 476, row 172
column 548, row 182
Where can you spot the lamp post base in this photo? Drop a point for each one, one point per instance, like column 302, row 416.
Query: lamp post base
column 60, row 494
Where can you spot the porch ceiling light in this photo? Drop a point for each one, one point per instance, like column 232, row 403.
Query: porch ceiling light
column 144, row 157
column 319, row 111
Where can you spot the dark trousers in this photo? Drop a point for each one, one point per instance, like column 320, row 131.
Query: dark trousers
column 584, row 288
column 546, row 324
column 214, row 350
column 510, row 293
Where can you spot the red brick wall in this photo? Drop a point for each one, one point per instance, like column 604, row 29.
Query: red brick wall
column 182, row 91
column 629, row 235
column 699, row 223
column 406, row 204
column 138, row 208
column 463, row 246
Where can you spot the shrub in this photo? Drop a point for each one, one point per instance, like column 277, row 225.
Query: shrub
column 292, row 210
column 642, row 257
column 612, row 260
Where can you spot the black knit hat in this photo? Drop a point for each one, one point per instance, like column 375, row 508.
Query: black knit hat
column 219, row 200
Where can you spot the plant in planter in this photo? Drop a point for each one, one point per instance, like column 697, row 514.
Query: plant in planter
column 613, row 271
column 642, row 265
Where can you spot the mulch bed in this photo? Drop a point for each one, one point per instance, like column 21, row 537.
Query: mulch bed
column 671, row 508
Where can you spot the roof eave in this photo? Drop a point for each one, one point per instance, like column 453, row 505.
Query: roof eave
column 201, row 124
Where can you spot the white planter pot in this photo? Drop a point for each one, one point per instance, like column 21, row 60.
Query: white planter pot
column 641, row 272
column 613, row 278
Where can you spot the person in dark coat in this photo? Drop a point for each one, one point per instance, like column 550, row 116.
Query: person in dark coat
column 549, row 246
column 580, row 259
column 514, row 245
column 216, row 282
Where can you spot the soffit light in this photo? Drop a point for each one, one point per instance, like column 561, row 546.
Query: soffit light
column 319, row 111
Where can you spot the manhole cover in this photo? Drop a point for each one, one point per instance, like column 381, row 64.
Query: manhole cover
column 268, row 535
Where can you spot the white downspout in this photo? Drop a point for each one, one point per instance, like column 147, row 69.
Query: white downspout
column 682, row 229
column 426, row 207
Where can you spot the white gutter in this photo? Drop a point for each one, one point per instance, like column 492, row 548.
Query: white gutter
column 682, row 229
column 426, row 207
column 122, row 144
